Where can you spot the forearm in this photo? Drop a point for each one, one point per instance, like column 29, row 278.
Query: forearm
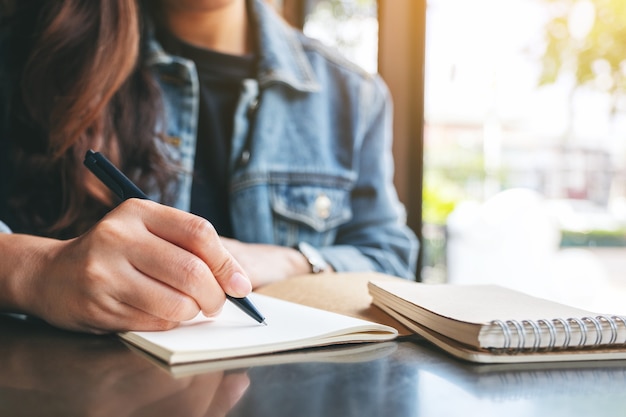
column 23, row 257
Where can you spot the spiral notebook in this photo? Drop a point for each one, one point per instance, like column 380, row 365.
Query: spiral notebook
column 494, row 324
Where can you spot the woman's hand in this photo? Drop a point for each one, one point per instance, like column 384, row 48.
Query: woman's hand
column 267, row 263
column 144, row 266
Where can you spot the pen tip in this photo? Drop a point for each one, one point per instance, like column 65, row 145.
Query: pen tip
column 264, row 323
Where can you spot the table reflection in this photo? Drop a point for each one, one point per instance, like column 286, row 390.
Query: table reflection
column 325, row 389
column 48, row 372
column 447, row 386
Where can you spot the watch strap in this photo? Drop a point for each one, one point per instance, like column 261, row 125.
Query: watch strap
column 313, row 256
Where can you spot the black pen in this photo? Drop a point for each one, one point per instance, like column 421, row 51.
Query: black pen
column 124, row 188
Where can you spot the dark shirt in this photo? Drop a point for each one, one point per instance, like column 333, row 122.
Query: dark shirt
column 220, row 78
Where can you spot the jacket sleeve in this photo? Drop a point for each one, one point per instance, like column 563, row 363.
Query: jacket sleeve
column 376, row 238
column 4, row 228
column 5, row 97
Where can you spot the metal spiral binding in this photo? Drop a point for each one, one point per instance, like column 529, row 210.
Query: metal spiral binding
column 506, row 332
column 587, row 326
column 613, row 327
column 536, row 334
column 622, row 319
column 583, row 331
column 567, row 332
column 552, row 330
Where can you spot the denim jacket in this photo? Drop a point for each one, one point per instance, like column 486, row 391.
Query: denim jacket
column 311, row 151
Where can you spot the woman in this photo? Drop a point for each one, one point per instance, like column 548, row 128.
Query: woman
column 212, row 106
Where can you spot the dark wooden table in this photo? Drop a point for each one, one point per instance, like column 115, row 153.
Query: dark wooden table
column 48, row 372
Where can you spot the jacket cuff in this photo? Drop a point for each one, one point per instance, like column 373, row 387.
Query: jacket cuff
column 346, row 259
column 4, row 228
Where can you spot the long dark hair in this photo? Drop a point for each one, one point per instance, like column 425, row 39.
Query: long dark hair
column 80, row 83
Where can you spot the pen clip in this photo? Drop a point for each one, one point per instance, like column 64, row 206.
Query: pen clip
column 91, row 162
column 111, row 176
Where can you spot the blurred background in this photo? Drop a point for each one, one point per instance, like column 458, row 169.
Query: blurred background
column 521, row 142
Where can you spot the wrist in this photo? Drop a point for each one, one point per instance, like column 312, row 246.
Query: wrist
column 23, row 263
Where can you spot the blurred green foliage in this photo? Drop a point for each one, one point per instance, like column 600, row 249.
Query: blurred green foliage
column 597, row 238
column 439, row 197
column 597, row 56
column 451, row 175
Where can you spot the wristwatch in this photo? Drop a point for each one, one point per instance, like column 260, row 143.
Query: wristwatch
column 313, row 256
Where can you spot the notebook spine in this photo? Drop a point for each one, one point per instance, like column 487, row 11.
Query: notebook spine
column 517, row 333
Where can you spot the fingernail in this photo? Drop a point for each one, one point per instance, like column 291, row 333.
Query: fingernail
column 240, row 284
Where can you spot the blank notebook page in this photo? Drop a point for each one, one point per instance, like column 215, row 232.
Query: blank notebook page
column 232, row 333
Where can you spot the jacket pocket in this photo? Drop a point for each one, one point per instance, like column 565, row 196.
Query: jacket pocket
column 310, row 210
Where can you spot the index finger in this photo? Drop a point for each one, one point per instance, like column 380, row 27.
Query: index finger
column 198, row 236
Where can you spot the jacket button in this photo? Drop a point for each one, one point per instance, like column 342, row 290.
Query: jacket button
column 245, row 157
column 254, row 105
column 322, row 206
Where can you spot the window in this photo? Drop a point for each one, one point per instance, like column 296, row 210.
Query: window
column 525, row 145
column 351, row 26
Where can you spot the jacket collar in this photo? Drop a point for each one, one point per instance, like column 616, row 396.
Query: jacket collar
column 282, row 58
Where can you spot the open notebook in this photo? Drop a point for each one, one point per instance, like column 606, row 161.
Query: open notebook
column 493, row 324
column 233, row 334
